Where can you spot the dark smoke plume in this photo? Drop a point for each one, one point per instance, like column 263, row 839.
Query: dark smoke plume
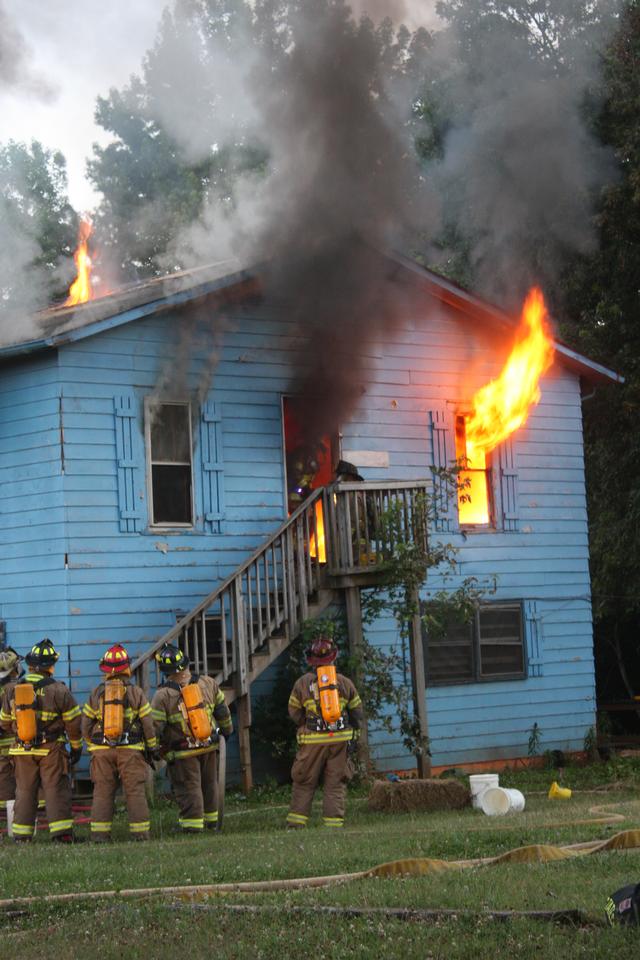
column 345, row 184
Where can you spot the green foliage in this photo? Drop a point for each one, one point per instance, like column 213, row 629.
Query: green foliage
column 38, row 225
column 535, row 740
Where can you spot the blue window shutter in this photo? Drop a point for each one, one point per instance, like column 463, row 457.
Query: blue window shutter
column 128, row 463
column 507, row 487
column 212, row 466
column 534, row 639
column 443, row 457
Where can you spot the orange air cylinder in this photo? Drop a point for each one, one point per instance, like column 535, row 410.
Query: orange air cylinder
column 26, row 719
column 113, row 716
column 197, row 716
column 328, row 691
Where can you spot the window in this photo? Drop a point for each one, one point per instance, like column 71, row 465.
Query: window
column 474, row 482
column 170, row 464
column 490, row 647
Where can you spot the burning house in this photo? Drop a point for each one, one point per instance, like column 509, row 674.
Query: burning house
column 158, row 483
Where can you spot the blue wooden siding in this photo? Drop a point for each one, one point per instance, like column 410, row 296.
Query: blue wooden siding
column 124, row 582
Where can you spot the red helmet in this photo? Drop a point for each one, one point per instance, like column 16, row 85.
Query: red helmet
column 115, row 660
column 321, row 652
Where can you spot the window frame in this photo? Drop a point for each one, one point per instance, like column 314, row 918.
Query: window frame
column 476, row 644
column 154, row 524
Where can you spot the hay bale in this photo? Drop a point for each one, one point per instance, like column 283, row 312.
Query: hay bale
column 413, row 795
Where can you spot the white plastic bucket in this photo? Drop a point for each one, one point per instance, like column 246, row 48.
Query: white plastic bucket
column 9, row 809
column 478, row 783
column 496, row 801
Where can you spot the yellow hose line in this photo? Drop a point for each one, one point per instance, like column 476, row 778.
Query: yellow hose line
column 536, row 853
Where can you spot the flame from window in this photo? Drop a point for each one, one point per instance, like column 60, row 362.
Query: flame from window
column 80, row 290
column 503, row 405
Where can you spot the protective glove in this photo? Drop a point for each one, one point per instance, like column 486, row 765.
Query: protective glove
column 352, row 748
column 224, row 733
column 74, row 755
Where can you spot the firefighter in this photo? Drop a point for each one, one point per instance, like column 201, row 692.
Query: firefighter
column 323, row 748
column 191, row 751
column 42, row 760
column 118, row 729
column 10, row 672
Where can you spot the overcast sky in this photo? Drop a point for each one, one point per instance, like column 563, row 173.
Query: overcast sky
column 71, row 51
column 57, row 56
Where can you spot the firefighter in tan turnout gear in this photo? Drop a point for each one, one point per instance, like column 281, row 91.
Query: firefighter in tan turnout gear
column 186, row 709
column 327, row 710
column 10, row 672
column 41, row 714
column 118, row 728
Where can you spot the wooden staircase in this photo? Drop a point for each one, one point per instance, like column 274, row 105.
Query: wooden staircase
column 333, row 542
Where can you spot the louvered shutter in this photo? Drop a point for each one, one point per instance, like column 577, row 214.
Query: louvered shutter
column 534, row 639
column 212, row 466
column 443, row 457
column 507, row 487
column 129, row 462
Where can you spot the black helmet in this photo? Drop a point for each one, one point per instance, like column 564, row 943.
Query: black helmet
column 347, row 471
column 42, row 654
column 171, row 659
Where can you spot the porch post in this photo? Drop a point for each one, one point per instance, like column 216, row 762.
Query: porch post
column 356, row 643
column 243, row 710
column 418, row 683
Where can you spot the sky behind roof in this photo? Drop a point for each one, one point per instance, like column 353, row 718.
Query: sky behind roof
column 73, row 51
column 57, row 56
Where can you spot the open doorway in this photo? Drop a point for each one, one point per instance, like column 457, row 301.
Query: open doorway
column 309, row 463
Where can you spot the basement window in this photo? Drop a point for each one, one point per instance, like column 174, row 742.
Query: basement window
column 474, row 481
column 170, row 467
column 489, row 647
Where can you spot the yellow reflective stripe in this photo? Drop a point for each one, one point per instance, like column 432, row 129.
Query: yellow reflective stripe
column 144, row 710
column 160, row 715
column 90, row 712
column 71, row 714
column 294, row 702
column 75, row 744
column 92, row 747
column 142, row 826
column 211, row 817
column 340, row 736
column 356, row 702
column 34, row 752
column 56, row 826
column 219, row 698
column 47, row 714
column 23, row 829
column 227, row 725
column 152, row 742
column 309, row 703
column 296, row 818
column 5, row 716
column 175, row 718
column 333, row 821
column 41, row 804
column 101, row 826
column 196, row 752
column 194, row 823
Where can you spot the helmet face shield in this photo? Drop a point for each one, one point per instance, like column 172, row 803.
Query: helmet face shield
column 9, row 663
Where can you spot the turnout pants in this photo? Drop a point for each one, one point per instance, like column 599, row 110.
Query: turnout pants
column 311, row 762
column 108, row 768
column 195, row 785
column 51, row 772
column 7, row 780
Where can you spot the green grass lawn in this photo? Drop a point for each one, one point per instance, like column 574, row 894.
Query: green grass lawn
column 255, row 846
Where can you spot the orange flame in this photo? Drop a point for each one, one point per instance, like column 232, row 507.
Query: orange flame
column 80, row 290
column 502, row 405
column 322, row 550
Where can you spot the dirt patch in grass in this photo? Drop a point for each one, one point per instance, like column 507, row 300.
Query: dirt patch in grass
column 418, row 795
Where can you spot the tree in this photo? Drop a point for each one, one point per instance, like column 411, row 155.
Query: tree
column 38, row 225
column 601, row 318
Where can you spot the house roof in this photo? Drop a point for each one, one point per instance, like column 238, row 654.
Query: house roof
column 62, row 324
